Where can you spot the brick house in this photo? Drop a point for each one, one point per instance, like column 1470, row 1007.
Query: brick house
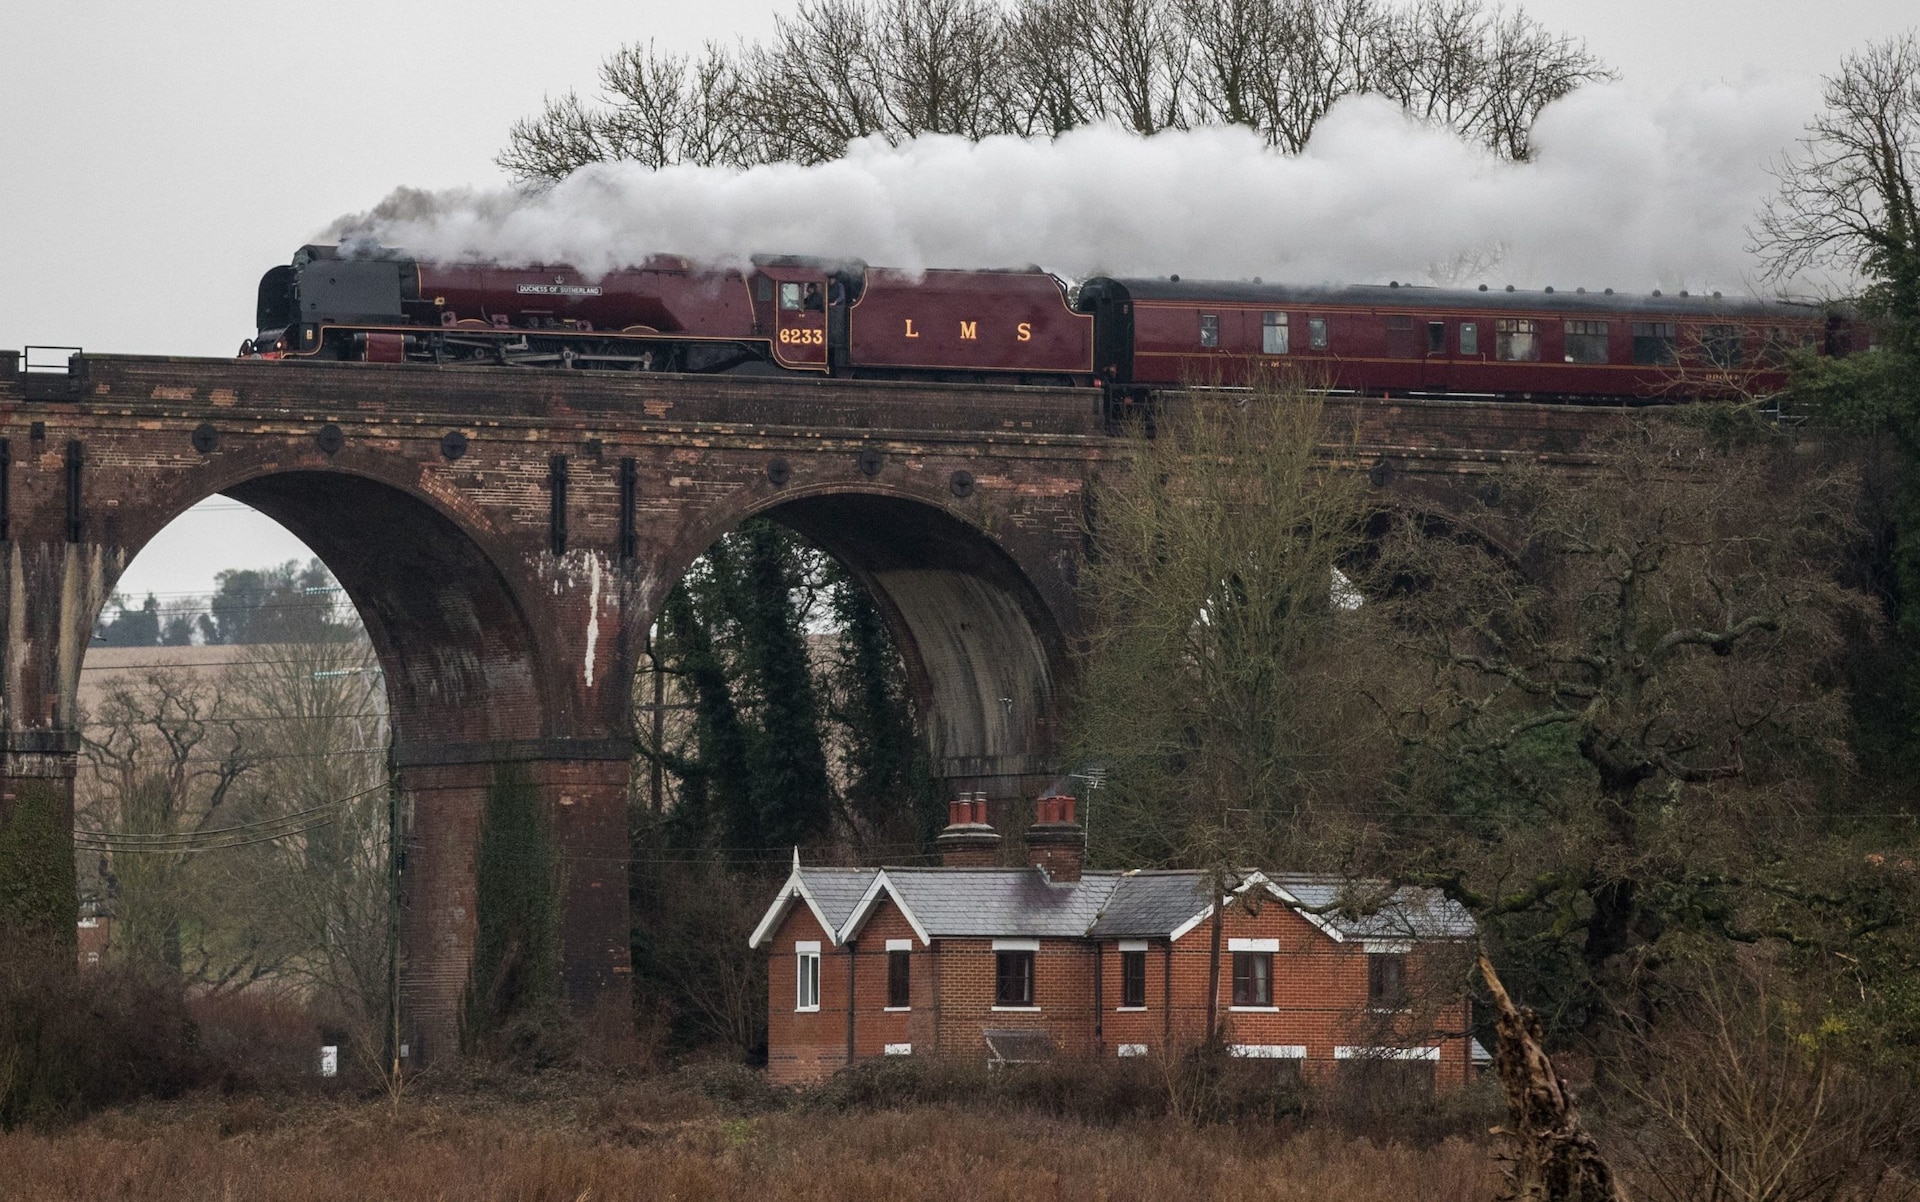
column 1013, row 964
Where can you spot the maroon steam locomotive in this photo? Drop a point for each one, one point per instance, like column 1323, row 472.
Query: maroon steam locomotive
column 1130, row 336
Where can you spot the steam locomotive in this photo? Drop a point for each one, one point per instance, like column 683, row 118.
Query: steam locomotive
column 786, row 315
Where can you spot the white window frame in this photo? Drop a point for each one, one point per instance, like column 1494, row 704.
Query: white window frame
column 806, row 956
column 1130, row 1049
column 1363, row 1053
column 1268, row 1051
column 1033, row 983
column 898, row 1049
column 897, row 945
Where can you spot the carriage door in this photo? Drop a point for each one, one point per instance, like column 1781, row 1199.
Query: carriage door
column 800, row 318
column 1436, row 372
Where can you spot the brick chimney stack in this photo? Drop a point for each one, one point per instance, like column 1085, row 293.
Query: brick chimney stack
column 1057, row 844
column 969, row 840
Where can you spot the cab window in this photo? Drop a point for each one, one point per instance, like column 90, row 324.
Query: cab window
column 790, row 296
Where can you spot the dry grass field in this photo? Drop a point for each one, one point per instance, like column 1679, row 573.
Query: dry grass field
column 647, row 1140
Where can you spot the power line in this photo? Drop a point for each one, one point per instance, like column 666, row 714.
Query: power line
column 237, row 827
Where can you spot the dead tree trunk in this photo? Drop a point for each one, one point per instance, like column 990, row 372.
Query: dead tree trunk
column 1554, row 1159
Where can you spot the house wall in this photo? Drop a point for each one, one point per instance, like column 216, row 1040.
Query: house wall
column 1062, row 993
column 804, row 1046
column 1319, row 997
column 875, row 1027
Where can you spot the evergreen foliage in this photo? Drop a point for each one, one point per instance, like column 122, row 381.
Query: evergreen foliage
column 515, row 971
column 37, row 878
column 801, row 727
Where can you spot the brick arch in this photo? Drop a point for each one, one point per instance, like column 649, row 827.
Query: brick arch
column 450, row 629
column 986, row 645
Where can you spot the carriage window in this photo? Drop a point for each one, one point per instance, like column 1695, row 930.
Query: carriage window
column 789, row 296
column 1436, row 338
column 1586, row 342
column 1783, row 341
column 1399, row 337
column 1209, row 329
column 1469, row 338
column 1317, row 333
column 1273, row 334
column 1722, row 345
column 1653, row 342
column 1516, row 339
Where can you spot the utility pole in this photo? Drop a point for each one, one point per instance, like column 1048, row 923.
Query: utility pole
column 654, row 775
column 393, row 913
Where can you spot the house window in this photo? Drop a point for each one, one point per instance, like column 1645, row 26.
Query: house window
column 1133, row 979
column 1253, row 978
column 1469, row 338
column 1013, row 978
column 899, row 980
column 1516, row 339
column 1209, row 329
column 1386, row 980
column 1399, row 329
column 790, row 296
column 1436, row 338
column 1273, row 333
column 1653, row 342
column 807, row 991
column 1723, row 345
column 1586, row 342
column 1317, row 333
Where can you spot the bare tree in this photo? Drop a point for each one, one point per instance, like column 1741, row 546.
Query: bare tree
column 1631, row 682
column 839, row 70
column 1218, row 684
column 162, row 760
column 1750, row 1101
column 1847, row 198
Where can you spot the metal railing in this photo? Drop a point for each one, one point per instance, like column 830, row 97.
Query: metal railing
column 46, row 358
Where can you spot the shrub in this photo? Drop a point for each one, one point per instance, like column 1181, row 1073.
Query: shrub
column 71, row 1042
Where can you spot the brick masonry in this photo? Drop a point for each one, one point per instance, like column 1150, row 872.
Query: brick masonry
column 508, row 626
column 1320, row 997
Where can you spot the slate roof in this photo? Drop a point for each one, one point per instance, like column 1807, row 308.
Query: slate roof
column 837, row 890
column 1019, row 902
column 1151, row 903
column 1023, row 903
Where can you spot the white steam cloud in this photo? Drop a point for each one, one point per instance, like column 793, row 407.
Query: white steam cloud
column 1623, row 191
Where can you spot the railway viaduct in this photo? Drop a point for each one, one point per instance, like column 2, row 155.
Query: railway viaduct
column 507, row 537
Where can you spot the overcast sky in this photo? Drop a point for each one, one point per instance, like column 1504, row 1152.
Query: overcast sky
column 156, row 158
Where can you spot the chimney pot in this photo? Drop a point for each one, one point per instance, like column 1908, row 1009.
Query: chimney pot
column 968, row 841
column 1057, row 844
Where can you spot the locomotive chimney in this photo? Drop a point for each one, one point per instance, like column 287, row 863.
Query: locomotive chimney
column 1055, row 842
column 969, row 841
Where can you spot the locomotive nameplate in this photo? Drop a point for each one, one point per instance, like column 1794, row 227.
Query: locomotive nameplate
column 558, row 289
